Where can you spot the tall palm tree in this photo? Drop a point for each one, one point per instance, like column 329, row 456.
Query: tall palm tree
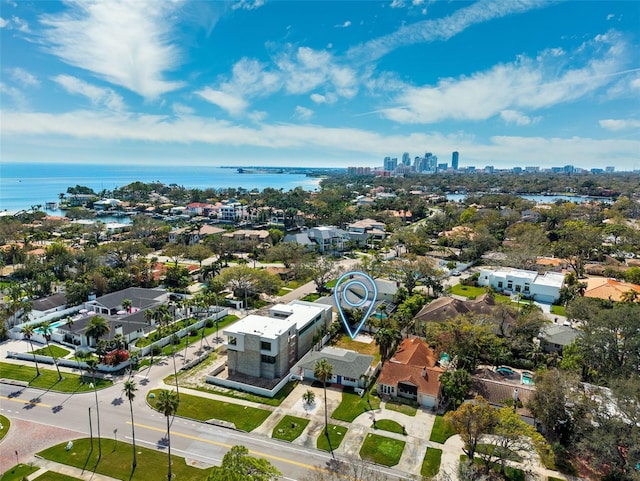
column 92, row 367
column 47, row 330
column 323, row 371
column 97, row 327
column 168, row 404
column 130, row 389
column 27, row 332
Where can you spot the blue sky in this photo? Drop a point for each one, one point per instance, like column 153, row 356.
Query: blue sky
column 321, row 83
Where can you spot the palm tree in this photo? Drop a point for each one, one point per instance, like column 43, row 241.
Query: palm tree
column 97, row 327
column 386, row 338
column 126, row 305
column 323, row 371
column 130, row 392
column 168, row 404
column 91, row 366
column 46, row 332
column 27, row 332
column 629, row 296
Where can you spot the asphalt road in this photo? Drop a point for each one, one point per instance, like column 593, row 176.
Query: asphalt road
column 199, row 442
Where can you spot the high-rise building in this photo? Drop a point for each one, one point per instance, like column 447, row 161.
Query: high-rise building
column 390, row 164
column 454, row 160
column 406, row 158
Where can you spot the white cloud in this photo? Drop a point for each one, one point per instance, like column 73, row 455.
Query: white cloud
column 248, row 4
column 103, row 97
column 174, row 132
column 126, row 43
column 515, row 117
column 181, row 109
column 318, row 98
column 346, row 24
column 226, row 101
column 23, row 77
column 3, row 22
column 20, row 24
column 525, row 84
column 611, row 16
column 397, row 4
column 440, row 29
column 14, row 94
column 616, row 125
column 303, row 113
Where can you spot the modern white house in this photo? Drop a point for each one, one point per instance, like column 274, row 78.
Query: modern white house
column 268, row 346
column 531, row 285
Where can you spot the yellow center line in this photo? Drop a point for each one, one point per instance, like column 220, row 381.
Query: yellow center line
column 229, row 446
column 26, row 402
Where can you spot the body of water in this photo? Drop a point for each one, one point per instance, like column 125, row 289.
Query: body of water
column 23, row 185
column 542, row 199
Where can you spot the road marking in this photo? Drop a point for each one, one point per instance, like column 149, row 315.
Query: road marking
column 26, row 402
column 229, row 446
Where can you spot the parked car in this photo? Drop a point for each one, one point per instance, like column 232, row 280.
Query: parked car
column 456, row 273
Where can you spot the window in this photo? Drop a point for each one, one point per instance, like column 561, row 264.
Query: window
column 526, row 288
column 510, row 285
column 500, row 284
column 233, row 341
column 265, row 346
column 518, row 288
column 268, row 359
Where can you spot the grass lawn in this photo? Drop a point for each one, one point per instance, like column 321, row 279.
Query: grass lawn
column 53, row 476
column 353, row 406
column 58, row 351
column 195, row 340
column 116, row 463
column 467, row 291
column 247, row 396
column 389, row 425
column 441, row 431
column 5, row 424
column 18, row 472
column 314, row 296
column 382, row 450
column 289, row 428
column 559, row 310
column 392, row 405
column 431, row 462
column 48, row 378
column 202, row 409
column 371, row 349
column 551, row 478
column 336, row 435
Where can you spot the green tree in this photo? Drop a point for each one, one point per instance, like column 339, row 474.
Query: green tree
column 237, row 465
column 577, row 243
column 455, row 385
column 130, row 389
column 97, row 327
column 321, row 271
column 323, row 371
column 167, row 404
column 47, row 330
column 27, row 332
column 387, row 338
column 472, row 420
column 126, row 305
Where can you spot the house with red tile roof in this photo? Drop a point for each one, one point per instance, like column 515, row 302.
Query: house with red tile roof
column 412, row 374
column 610, row 289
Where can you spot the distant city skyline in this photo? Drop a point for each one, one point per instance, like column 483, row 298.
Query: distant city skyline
column 321, row 84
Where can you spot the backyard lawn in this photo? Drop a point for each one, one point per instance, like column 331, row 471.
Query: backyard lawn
column 441, row 431
column 116, row 461
column 353, row 405
column 382, row 450
column 48, row 378
column 467, row 291
column 289, row 428
column 244, row 418
column 276, row 400
column 336, row 435
column 431, row 462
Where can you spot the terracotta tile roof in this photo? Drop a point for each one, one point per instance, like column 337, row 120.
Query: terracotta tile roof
column 414, row 363
column 605, row 288
column 497, row 393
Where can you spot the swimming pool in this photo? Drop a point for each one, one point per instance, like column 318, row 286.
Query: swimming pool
column 53, row 326
column 527, row 378
column 505, row 371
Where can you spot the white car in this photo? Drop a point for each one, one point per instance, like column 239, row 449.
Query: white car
column 456, row 273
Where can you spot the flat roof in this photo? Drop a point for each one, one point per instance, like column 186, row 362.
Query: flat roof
column 301, row 313
column 263, row 326
column 554, row 279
